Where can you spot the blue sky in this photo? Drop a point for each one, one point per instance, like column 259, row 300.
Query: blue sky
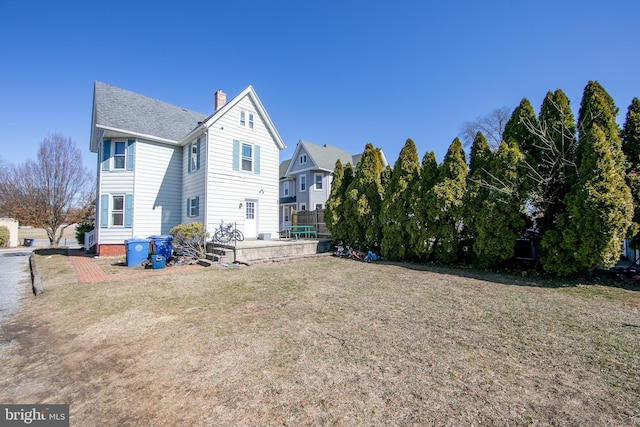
column 338, row 72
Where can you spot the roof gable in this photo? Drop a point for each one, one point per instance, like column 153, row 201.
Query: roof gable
column 322, row 157
column 251, row 93
column 123, row 110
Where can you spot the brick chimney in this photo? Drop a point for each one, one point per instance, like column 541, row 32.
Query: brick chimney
column 220, row 98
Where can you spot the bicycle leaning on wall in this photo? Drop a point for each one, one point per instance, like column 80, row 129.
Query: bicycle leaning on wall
column 227, row 232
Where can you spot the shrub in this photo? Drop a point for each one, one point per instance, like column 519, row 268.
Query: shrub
column 81, row 229
column 190, row 239
column 4, row 236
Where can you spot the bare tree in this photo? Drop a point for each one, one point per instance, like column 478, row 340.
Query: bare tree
column 491, row 125
column 52, row 192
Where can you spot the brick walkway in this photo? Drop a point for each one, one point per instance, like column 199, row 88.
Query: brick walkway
column 86, row 270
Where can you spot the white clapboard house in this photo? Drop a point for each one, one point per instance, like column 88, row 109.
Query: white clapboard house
column 160, row 165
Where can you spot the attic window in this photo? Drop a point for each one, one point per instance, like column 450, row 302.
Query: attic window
column 303, row 159
column 246, row 119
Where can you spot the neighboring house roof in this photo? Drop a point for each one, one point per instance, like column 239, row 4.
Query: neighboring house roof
column 283, row 168
column 324, row 157
column 118, row 109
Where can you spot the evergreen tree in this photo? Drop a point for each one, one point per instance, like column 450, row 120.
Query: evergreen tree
column 333, row 206
column 556, row 168
column 500, row 216
column 630, row 136
column 421, row 226
column 597, row 108
column 518, row 130
column 396, row 209
column 363, row 201
column 599, row 208
column 479, row 162
column 445, row 207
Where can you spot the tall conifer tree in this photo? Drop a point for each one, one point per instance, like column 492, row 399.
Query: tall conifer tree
column 445, row 209
column 421, row 226
column 396, row 208
column 500, row 218
column 363, row 200
column 332, row 214
column 630, row 136
column 479, row 162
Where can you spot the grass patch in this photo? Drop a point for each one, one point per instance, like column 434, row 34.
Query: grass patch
column 327, row 341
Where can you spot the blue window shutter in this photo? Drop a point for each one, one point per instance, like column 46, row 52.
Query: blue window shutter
column 128, row 210
column 188, row 207
column 130, row 154
column 106, row 154
column 256, row 159
column 236, row 155
column 198, row 154
column 197, row 205
column 104, row 211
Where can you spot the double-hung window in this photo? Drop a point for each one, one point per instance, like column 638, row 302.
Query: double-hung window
column 303, row 183
column 247, row 157
column 318, row 181
column 117, row 211
column 246, row 119
column 119, row 154
column 193, row 207
column 286, row 189
column 193, row 157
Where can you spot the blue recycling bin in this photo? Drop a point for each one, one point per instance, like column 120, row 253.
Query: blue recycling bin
column 162, row 245
column 158, row 261
column 137, row 251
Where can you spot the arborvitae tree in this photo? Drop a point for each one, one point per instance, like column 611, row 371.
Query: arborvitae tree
column 333, row 206
column 500, row 217
column 363, row 201
column 597, row 108
column 445, row 209
column 517, row 130
column 343, row 227
column 599, row 205
column 477, row 190
column 630, row 136
column 599, row 209
column 556, row 169
column 421, row 226
column 396, row 208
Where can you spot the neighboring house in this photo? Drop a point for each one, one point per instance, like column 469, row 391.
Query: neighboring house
column 161, row 165
column 12, row 226
column 305, row 179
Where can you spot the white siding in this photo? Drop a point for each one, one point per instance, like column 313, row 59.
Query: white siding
column 158, row 182
column 113, row 182
column 193, row 183
column 228, row 188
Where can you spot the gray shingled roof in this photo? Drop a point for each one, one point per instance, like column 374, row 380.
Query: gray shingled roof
column 283, row 168
column 325, row 156
column 122, row 109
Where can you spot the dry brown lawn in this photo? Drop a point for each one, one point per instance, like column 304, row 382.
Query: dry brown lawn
column 324, row 341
